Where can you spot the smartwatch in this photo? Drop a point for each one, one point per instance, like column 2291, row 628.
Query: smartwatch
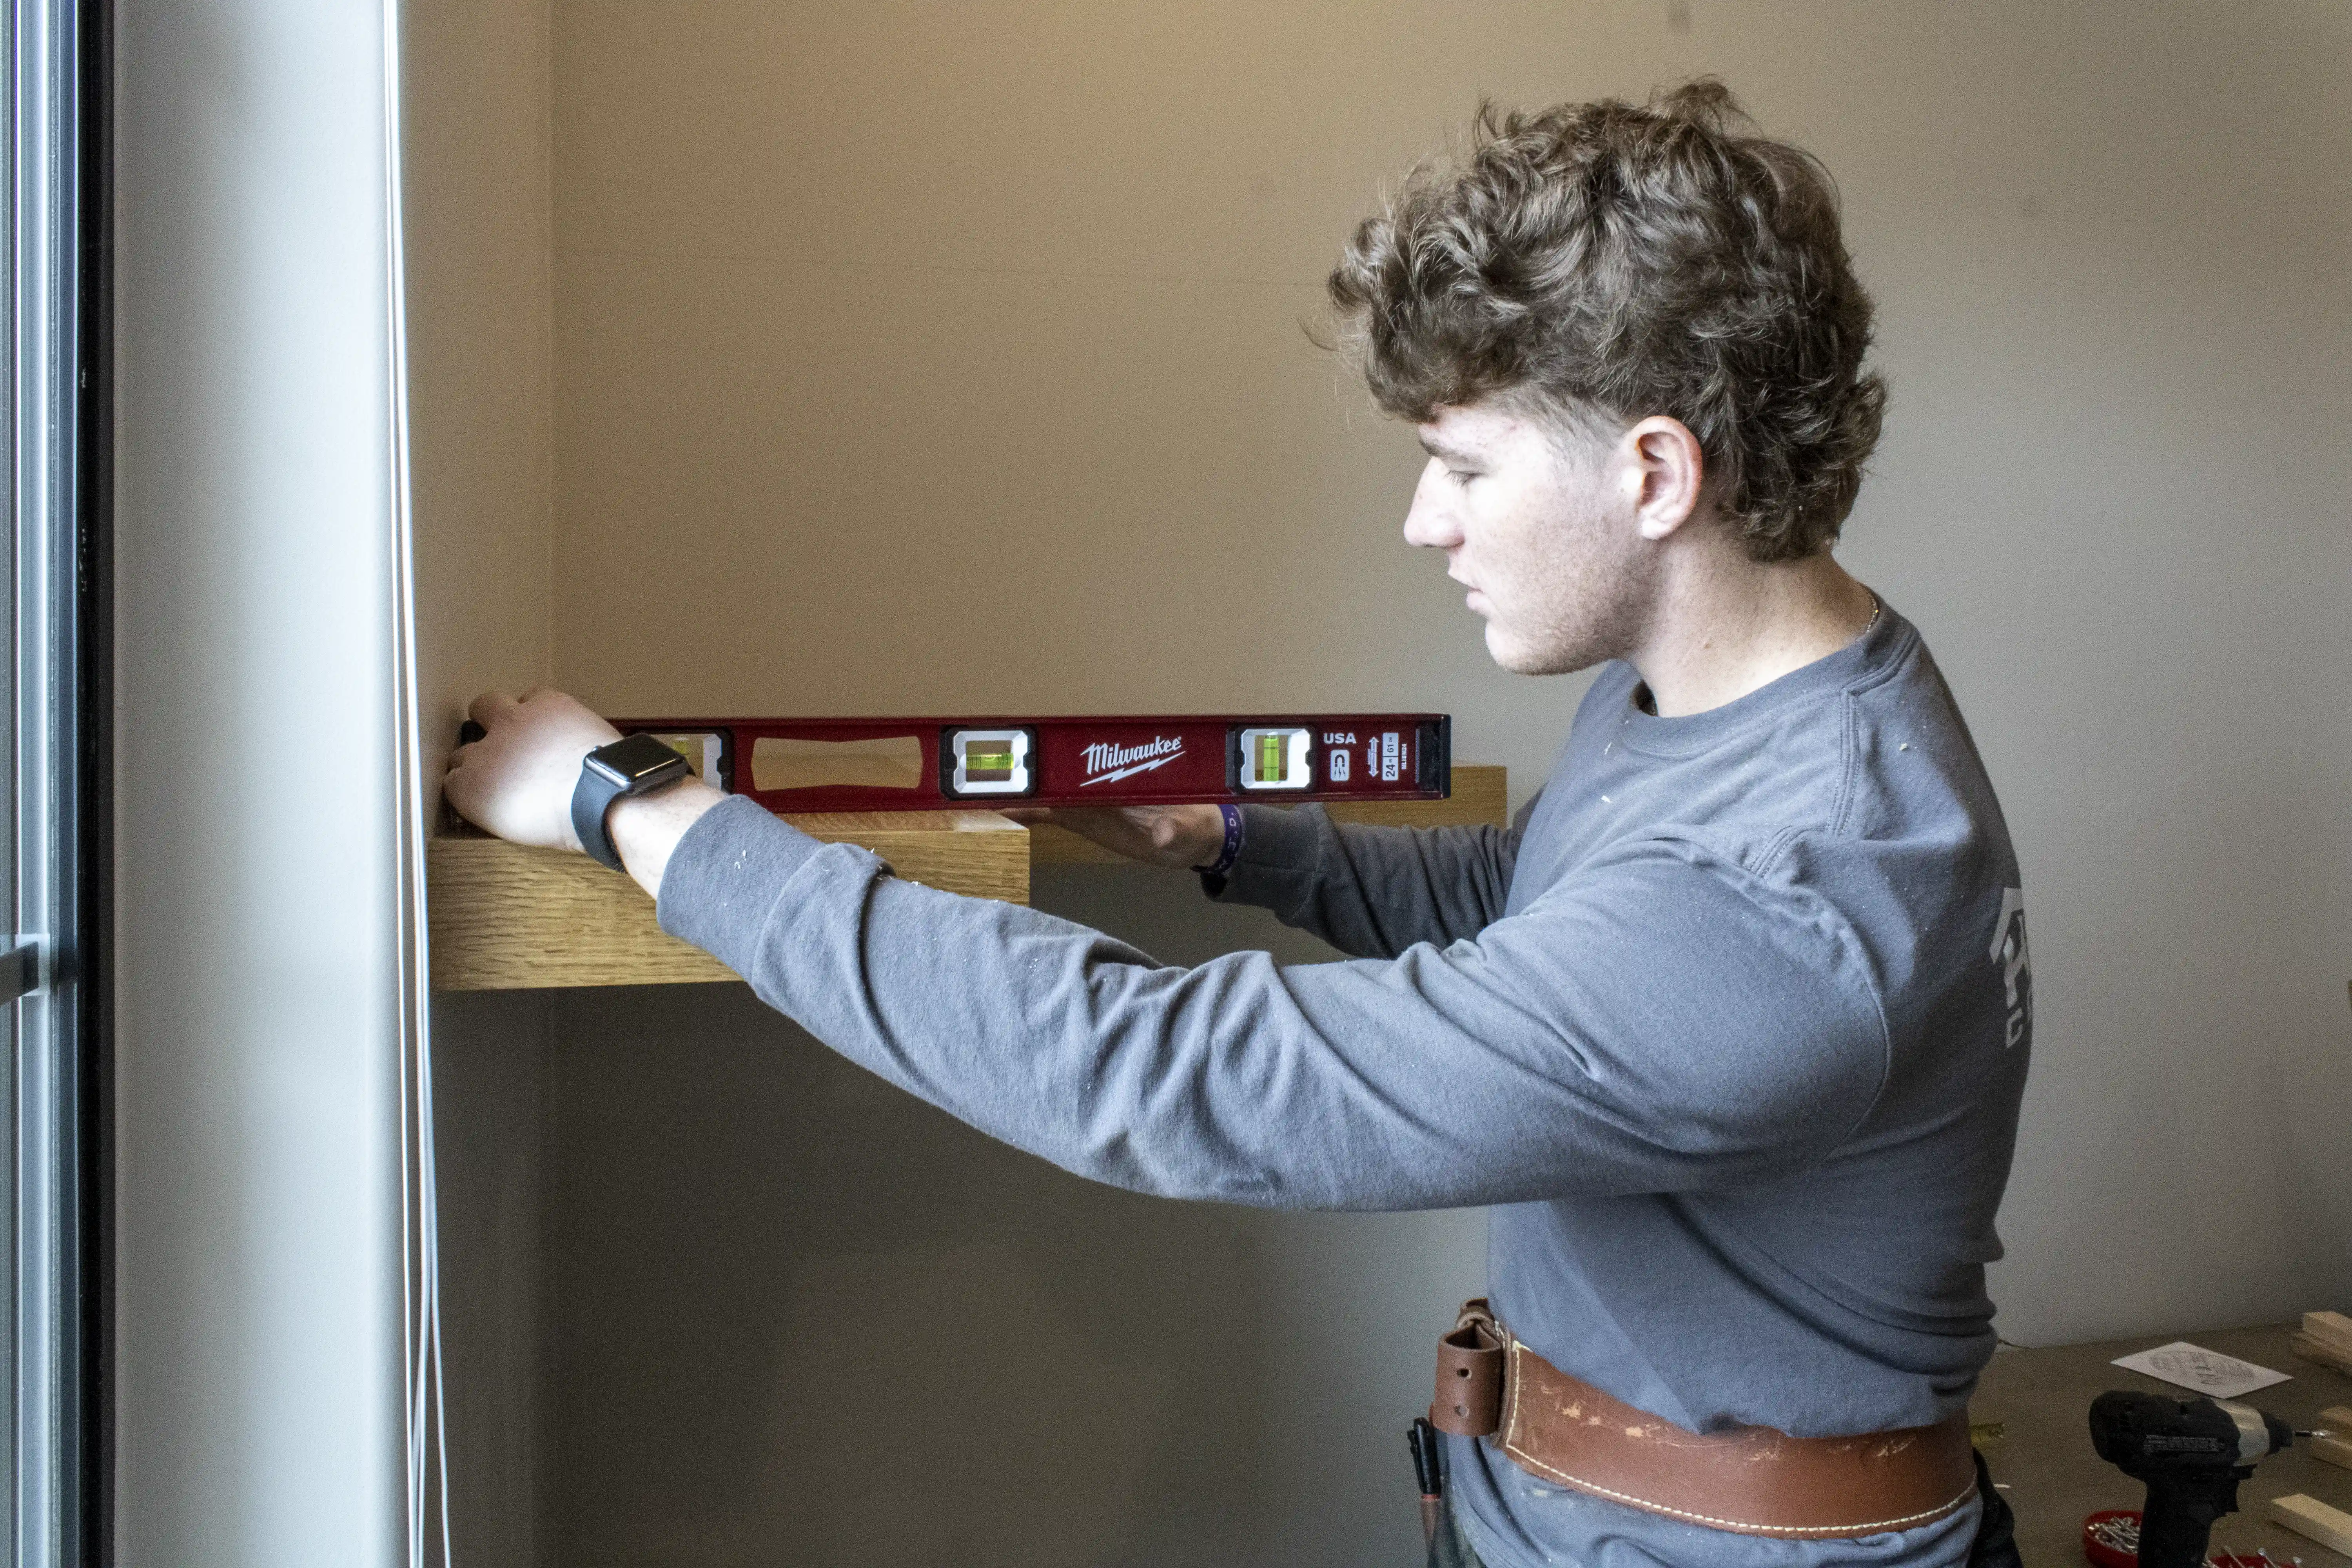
column 630, row 766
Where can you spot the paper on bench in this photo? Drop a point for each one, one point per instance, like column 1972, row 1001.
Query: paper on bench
column 2209, row 1372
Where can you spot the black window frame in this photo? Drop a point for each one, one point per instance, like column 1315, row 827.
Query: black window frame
column 90, row 1535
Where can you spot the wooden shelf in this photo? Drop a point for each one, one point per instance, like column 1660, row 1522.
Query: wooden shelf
column 504, row 918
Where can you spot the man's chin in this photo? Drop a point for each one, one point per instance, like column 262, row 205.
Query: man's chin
column 1522, row 659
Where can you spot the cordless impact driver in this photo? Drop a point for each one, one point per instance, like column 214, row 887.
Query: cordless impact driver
column 2192, row 1453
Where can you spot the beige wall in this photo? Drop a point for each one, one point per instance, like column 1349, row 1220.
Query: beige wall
column 920, row 357
column 476, row 153
column 795, row 1315
column 476, row 146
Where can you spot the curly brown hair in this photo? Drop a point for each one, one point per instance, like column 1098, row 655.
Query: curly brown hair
column 1616, row 260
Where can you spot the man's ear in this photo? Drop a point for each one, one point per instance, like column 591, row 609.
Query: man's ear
column 1667, row 472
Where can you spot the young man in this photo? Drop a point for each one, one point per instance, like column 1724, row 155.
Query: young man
column 1731, row 1026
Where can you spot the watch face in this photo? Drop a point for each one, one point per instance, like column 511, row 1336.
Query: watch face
column 633, row 758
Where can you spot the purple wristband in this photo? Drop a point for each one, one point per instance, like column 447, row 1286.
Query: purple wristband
column 1233, row 849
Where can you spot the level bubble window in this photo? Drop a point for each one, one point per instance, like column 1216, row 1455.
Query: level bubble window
column 989, row 762
column 1275, row 758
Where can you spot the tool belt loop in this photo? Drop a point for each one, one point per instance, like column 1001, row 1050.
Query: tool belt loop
column 1469, row 1396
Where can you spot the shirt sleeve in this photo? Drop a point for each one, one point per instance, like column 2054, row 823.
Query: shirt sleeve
column 1372, row 891
column 1661, row 1024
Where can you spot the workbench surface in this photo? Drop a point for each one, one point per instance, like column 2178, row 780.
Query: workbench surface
column 2042, row 1400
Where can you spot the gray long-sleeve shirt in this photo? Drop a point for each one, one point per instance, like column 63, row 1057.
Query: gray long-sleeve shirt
column 1732, row 1025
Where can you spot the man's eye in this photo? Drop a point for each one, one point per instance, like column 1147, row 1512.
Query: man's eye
column 1460, row 477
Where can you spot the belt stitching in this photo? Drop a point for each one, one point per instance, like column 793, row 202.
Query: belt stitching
column 1823, row 1531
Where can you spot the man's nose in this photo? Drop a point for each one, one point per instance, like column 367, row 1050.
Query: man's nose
column 1430, row 522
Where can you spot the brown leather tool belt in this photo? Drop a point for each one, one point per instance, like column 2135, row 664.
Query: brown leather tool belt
column 1751, row 1479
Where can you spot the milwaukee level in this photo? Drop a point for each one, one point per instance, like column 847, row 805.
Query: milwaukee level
column 923, row 764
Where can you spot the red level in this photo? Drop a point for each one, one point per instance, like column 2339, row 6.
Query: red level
column 923, row 764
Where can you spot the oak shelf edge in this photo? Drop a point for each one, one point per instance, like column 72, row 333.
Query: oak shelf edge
column 505, row 918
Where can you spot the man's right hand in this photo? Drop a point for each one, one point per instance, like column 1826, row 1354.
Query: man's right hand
column 1156, row 835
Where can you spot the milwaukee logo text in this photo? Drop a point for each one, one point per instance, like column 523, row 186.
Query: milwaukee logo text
column 1106, row 762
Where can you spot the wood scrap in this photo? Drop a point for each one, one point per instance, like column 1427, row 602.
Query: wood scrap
column 2319, row 1350
column 2333, row 1329
column 2331, row 1527
column 2336, row 1448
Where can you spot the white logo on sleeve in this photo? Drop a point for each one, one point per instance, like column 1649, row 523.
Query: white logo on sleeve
column 2016, row 968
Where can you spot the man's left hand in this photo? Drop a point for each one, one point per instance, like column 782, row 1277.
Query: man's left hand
column 516, row 780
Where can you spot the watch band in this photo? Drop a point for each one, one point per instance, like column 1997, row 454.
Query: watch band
column 629, row 766
column 1213, row 875
column 591, row 797
column 1232, row 846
